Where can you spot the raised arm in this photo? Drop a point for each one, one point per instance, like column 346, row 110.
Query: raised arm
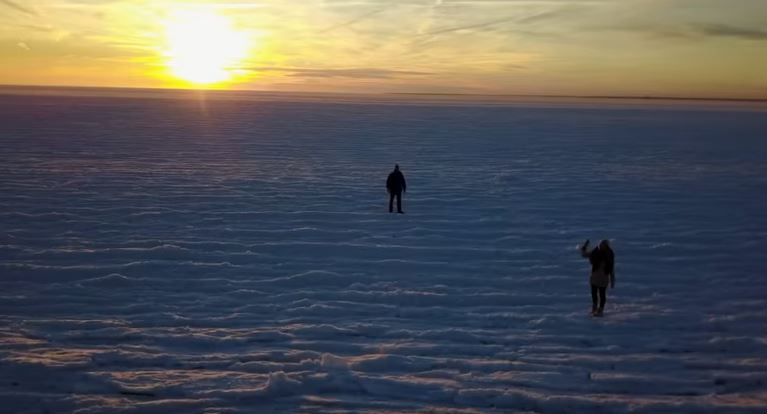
column 585, row 252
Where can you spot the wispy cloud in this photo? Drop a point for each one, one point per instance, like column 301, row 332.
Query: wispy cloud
column 479, row 25
column 716, row 29
column 37, row 27
column 353, row 21
column 517, row 20
column 694, row 31
column 359, row 73
column 454, row 2
column 18, row 7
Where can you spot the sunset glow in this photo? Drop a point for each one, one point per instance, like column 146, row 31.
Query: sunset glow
column 203, row 47
column 687, row 48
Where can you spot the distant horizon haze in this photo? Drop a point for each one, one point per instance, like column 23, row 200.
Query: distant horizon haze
column 201, row 96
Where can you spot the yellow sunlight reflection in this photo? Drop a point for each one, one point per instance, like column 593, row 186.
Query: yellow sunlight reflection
column 203, row 47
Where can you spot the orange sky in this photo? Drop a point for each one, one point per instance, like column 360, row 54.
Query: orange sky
column 689, row 48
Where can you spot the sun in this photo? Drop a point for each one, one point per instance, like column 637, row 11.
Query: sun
column 203, row 47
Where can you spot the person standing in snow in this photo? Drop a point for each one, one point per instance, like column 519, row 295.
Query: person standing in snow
column 396, row 185
column 602, row 260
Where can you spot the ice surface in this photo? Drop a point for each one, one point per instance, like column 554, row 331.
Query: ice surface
column 225, row 256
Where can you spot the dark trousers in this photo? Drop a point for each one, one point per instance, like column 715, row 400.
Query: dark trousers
column 398, row 194
column 598, row 302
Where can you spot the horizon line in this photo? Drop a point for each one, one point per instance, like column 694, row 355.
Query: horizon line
column 437, row 94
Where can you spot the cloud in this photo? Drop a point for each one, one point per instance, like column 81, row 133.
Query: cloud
column 452, row 2
column 480, row 25
column 695, row 31
column 18, row 7
column 358, row 73
column 533, row 18
column 723, row 30
column 23, row 46
column 354, row 20
column 36, row 27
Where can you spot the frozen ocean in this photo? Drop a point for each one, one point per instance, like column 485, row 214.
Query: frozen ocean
column 221, row 254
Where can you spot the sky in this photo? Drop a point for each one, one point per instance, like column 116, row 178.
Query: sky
column 685, row 48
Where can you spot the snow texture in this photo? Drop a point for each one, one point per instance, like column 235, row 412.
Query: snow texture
column 173, row 255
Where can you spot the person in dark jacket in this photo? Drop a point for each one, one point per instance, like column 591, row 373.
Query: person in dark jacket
column 602, row 260
column 396, row 185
